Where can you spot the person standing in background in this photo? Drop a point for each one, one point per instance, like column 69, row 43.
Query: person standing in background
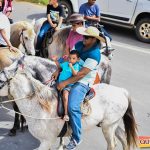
column 5, row 30
column 91, row 12
column 7, row 9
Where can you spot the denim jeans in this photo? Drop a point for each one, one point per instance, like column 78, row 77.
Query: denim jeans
column 76, row 97
column 106, row 33
column 87, row 24
column 45, row 27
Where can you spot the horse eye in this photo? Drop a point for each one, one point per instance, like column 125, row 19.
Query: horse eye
column 1, row 81
column 26, row 38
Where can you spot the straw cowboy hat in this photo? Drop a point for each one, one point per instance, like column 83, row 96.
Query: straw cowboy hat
column 76, row 18
column 90, row 31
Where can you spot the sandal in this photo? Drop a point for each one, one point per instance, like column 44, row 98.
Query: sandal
column 66, row 118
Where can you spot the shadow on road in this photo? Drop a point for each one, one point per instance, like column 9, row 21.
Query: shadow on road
column 22, row 141
column 36, row 16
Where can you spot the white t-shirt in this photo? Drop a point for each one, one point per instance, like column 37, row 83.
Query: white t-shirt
column 90, row 77
column 4, row 24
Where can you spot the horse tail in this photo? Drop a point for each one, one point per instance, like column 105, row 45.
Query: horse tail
column 108, row 74
column 130, row 126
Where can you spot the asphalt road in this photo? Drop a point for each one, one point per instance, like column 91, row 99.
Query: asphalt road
column 131, row 69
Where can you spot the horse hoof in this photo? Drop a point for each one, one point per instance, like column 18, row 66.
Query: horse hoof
column 24, row 128
column 12, row 133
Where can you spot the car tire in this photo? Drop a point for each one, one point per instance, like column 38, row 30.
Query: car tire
column 67, row 8
column 142, row 30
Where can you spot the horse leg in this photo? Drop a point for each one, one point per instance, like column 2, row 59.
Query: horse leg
column 45, row 145
column 120, row 134
column 109, row 134
column 23, row 121
column 61, row 144
column 16, row 125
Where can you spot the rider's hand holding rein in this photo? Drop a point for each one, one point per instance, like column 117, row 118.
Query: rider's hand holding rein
column 55, row 75
column 12, row 48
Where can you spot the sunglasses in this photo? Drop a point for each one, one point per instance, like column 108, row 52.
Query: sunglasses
column 75, row 24
column 87, row 37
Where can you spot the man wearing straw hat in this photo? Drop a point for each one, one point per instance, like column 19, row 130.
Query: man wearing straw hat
column 89, row 51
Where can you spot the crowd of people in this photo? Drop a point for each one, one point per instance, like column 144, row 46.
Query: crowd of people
column 77, row 70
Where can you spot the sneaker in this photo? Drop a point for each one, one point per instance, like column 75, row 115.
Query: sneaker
column 72, row 144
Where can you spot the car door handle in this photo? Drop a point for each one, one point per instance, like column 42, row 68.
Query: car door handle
column 129, row 0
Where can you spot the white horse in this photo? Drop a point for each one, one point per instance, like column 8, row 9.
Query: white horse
column 23, row 36
column 40, row 109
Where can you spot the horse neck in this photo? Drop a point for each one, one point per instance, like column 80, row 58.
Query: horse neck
column 21, row 48
column 60, row 37
column 31, row 105
column 15, row 38
column 42, row 68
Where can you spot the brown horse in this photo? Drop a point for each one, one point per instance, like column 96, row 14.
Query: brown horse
column 23, row 36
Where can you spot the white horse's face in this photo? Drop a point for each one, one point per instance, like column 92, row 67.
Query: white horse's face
column 27, row 38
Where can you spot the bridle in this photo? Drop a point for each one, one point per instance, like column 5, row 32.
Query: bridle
column 21, row 36
column 7, row 79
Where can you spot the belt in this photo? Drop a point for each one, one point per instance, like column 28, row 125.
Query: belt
column 1, row 45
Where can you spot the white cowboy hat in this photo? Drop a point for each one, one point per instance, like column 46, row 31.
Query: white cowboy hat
column 90, row 31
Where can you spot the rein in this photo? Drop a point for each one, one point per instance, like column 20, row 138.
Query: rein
column 21, row 36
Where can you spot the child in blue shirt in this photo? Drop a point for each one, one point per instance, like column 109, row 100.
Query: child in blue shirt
column 69, row 68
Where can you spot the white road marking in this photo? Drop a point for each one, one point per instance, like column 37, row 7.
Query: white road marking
column 133, row 48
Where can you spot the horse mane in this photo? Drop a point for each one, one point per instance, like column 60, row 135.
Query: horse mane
column 62, row 34
column 40, row 67
column 43, row 93
column 16, row 29
column 60, row 37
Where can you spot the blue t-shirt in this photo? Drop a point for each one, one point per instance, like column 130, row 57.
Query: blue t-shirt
column 93, row 52
column 66, row 70
column 87, row 10
column 91, row 58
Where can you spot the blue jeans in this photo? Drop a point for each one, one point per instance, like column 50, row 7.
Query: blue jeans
column 76, row 97
column 45, row 27
column 106, row 33
column 87, row 24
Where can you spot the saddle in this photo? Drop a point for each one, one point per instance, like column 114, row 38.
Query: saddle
column 85, row 109
column 85, row 105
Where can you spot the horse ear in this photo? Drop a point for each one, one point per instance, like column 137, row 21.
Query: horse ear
column 33, row 22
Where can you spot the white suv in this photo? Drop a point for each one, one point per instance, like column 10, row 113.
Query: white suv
column 126, row 13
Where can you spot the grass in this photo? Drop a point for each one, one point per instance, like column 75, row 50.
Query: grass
column 44, row 2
